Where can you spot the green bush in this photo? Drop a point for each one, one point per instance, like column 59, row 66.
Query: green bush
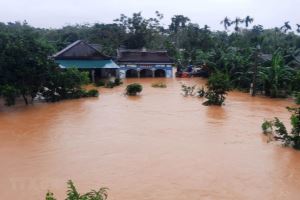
column 54, row 96
column 118, row 82
column 99, row 83
column 133, row 89
column 93, row 93
column 76, row 94
column 9, row 93
column 159, row 85
column 109, row 84
column 73, row 194
column 297, row 98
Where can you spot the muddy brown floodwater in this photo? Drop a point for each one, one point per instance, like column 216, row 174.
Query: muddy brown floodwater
column 159, row 145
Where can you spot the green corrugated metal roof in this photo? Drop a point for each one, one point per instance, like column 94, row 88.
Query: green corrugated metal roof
column 87, row 64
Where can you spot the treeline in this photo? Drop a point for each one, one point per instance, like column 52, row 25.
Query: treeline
column 267, row 59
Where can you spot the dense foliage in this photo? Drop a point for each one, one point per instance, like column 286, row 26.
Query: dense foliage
column 73, row 194
column 278, row 130
column 27, row 71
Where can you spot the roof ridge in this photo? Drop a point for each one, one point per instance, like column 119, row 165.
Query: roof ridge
column 67, row 48
column 76, row 43
column 142, row 51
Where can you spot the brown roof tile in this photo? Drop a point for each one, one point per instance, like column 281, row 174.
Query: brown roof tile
column 143, row 56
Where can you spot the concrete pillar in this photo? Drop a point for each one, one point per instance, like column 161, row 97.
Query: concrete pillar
column 139, row 73
column 153, row 73
column 251, row 89
column 93, row 75
column 118, row 73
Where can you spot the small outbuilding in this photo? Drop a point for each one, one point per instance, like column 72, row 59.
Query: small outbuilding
column 87, row 57
column 144, row 63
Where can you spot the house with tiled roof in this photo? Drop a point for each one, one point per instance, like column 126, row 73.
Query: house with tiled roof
column 144, row 63
column 87, row 57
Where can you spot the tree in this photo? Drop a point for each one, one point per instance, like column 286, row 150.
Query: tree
column 236, row 23
column 218, row 85
column 258, row 29
column 109, row 36
column 286, row 27
column 178, row 22
column 140, row 31
column 226, row 22
column 248, row 20
column 24, row 61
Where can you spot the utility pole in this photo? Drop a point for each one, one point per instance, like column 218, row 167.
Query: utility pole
column 253, row 85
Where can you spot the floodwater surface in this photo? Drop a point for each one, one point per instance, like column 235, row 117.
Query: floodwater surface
column 159, row 145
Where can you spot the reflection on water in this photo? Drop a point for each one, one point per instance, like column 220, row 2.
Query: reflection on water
column 216, row 113
column 159, row 145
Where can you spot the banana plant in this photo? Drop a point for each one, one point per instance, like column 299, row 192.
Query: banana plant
column 277, row 77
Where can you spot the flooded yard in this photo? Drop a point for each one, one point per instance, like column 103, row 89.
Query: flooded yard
column 159, row 145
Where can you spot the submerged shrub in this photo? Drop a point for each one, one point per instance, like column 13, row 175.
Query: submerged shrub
column 188, row 90
column 109, row 84
column 9, row 93
column 93, row 93
column 159, row 85
column 133, row 89
column 99, row 83
column 118, row 82
column 218, row 85
column 76, row 94
column 73, row 194
column 278, row 130
column 267, row 126
column 201, row 92
column 297, row 100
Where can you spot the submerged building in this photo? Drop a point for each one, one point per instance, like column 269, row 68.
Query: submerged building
column 143, row 63
column 131, row 63
column 87, row 57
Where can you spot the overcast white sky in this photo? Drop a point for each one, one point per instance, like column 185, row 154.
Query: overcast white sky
column 57, row 13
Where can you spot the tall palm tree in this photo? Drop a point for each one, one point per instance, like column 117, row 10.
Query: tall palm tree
column 226, row 22
column 206, row 27
column 236, row 23
column 248, row 20
column 286, row 27
column 298, row 28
